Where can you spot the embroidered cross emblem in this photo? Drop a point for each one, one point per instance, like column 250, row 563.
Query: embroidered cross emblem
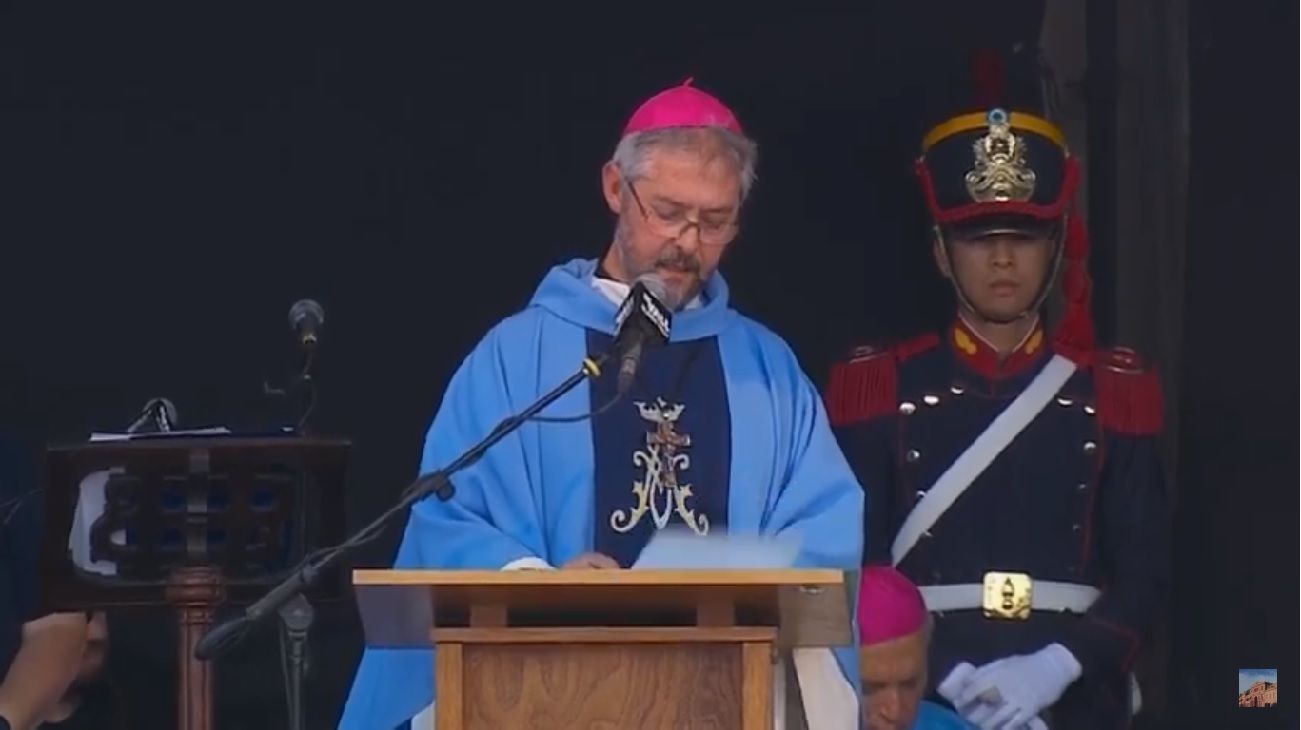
column 659, row 491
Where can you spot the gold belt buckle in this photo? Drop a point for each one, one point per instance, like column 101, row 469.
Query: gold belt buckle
column 1008, row 595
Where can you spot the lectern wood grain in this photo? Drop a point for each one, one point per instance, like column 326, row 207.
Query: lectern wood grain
column 449, row 665
column 194, row 591
column 756, row 685
column 566, row 687
column 604, row 650
column 670, row 678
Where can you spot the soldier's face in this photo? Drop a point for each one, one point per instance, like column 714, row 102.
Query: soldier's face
column 676, row 220
column 894, row 680
column 1000, row 273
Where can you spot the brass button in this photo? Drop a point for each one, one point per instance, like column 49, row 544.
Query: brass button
column 912, row 456
column 931, row 400
column 907, row 408
column 1090, row 447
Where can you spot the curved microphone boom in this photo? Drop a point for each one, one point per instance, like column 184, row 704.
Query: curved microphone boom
column 644, row 319
column 220, row 637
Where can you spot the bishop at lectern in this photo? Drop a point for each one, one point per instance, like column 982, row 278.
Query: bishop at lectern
column 719, row 432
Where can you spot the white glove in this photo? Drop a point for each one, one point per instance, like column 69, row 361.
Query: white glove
column 1011, row 692
column 984, row 715
column 983, row 707
column 953, row 683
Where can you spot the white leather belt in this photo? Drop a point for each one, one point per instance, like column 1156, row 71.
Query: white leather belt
column 1047, row 596
column 1040, row 595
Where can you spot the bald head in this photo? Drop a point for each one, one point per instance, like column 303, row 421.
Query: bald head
column 895, row 630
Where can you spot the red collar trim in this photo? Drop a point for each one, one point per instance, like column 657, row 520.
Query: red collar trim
column 977, row 354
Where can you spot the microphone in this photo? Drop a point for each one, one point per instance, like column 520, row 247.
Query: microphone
column 306, row 318
column 158, row 416
column 644, row 319
column 283, row 597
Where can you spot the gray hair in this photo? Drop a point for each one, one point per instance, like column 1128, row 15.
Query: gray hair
column 632, row 153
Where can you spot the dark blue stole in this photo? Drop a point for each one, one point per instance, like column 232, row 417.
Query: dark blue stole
column 663, row 453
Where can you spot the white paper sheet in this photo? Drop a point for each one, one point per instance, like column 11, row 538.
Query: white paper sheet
column 678, row 549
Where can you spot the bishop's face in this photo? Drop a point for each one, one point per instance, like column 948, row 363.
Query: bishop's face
column 676, row 220
column 894, row 680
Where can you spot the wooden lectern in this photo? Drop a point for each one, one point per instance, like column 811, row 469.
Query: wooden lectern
column 604, row 648
column 191, row 521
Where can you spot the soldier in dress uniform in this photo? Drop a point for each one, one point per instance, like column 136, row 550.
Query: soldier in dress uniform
column 1012, row 472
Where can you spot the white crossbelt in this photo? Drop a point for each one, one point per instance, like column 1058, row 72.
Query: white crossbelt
column 1048, row 596
column 981, row 453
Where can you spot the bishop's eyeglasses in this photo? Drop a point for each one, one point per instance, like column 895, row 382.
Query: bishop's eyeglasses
column 671, row 221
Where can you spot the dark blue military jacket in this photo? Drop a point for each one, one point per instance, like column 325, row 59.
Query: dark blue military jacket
column 1077, row 497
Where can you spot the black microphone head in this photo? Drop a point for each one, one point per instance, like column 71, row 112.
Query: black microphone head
column 655, row 304
column 157, row 416
column 648, row 286
column 305, row 317
column 644, row 320
column 654, row 284
column 303, row 309
column 168, row 412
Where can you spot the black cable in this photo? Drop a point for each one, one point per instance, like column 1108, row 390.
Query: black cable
column 9, row 507
column 574, row 419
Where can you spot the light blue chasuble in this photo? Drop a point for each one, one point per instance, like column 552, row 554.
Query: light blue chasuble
column 533, row 495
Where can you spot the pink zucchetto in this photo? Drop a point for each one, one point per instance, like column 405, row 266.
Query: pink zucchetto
column 682, row 106
column 889, row 606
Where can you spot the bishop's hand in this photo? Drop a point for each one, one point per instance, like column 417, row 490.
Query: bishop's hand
column 591, row 561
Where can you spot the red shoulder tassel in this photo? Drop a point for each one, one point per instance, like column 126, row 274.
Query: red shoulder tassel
column 1075, row 337
column 916, row 346
column 862, row 388
column 1130, row 399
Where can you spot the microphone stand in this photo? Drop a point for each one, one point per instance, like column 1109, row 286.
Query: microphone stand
column 286, row 598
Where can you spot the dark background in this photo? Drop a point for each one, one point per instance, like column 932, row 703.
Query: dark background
column 172, row 179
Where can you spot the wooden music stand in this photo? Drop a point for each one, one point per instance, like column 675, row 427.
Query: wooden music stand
column 191, row 522
column 608, row 648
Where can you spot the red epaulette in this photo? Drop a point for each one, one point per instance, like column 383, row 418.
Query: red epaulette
column 916, row 346
column 866, row 384
column 1130, row 400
